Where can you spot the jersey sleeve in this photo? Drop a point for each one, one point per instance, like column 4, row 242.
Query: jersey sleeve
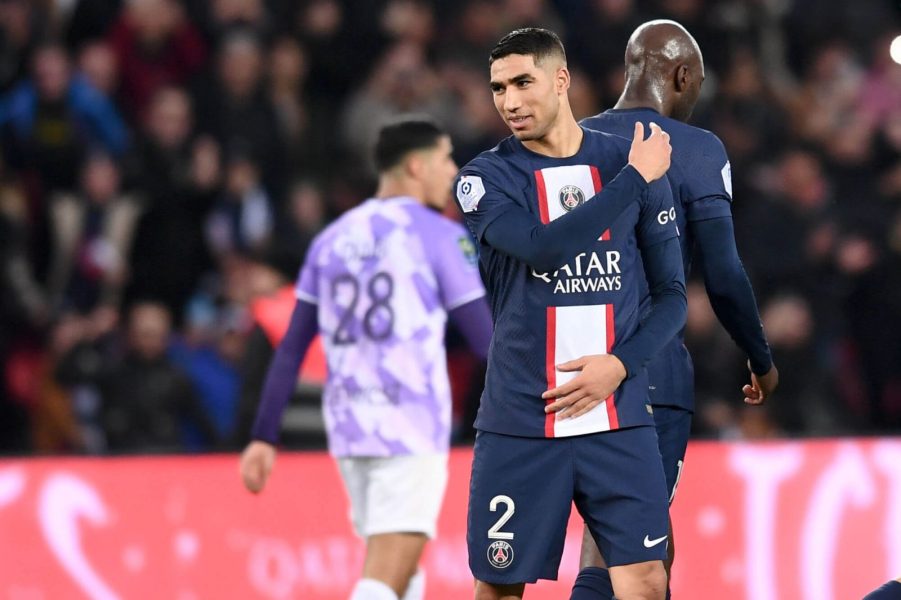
column 657, row 219
column 482, row 193
column 456, row 267
column 709, row 181
column 307, row 287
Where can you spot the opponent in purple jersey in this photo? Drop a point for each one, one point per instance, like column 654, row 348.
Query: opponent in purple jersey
column 565, row 217
column 379, row 284
column 664, row 72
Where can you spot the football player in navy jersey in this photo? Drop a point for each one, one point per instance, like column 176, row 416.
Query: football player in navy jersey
column 664, row 72
column 565, row 218
column 889, row 591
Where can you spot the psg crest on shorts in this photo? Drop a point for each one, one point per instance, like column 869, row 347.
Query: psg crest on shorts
column 571, row 197
column 500, row 554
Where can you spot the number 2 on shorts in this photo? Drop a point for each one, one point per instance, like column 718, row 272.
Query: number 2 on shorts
column 495, row 533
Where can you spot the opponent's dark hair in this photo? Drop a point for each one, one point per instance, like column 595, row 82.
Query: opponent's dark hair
column 399, row 137
column 531, row 41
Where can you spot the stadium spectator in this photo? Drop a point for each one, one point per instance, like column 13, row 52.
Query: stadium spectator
column 146, row 401
column 233, row 107
column 156, row 47
column 92, row 231
column 209, row 352
column 99, row 64
column 242, row 220
column 402, row 81
column 217, row 18
column 20, row 25
column 49, row 120
column 178, row 178
column 304, row 216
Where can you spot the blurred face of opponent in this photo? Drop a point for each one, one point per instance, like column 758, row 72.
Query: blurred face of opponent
column 528, row 95
column 435, row 169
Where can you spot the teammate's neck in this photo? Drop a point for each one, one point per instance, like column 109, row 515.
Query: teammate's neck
column 394, row 187
column 642, row 94
column 561, row 141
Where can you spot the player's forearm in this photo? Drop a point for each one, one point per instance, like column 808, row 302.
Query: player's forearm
column 281, row 378
column 730, row 291
column 473, row 320
column 546, row 247
column 663, row 269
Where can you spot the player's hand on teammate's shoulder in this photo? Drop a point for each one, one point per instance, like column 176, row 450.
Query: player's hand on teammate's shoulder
column 600, row 375
column 650, row 157
column 761, row 386
column 257, row 461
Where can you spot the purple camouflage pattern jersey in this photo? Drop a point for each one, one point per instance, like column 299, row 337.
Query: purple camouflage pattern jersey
column 384, row 277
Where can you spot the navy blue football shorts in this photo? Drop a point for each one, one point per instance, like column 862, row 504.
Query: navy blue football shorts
column 522, row 490
column 671, row 391
column 673, row 426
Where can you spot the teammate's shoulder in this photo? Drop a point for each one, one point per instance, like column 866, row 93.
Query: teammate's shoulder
column 694, row 139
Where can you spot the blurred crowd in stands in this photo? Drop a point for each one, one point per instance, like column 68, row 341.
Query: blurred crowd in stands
column 165, row 165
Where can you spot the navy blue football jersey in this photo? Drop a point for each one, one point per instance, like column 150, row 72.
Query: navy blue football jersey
column 701, row 182
column 588, row 305
column 700, row 175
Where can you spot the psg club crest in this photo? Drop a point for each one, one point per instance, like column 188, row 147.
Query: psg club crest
column 571, row 197
column 500, row 554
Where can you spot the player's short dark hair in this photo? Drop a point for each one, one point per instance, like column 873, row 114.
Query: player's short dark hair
column 530, row 41
column 402, row 136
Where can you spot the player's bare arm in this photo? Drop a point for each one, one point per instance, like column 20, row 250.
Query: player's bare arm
column 257, row 461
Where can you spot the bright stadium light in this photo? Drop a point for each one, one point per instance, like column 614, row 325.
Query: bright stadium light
column 895, row 50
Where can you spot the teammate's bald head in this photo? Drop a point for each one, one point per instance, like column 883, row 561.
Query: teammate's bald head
column 662, row 56
column 661, row 44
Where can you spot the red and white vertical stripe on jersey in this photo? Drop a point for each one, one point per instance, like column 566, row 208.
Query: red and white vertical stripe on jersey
column 572, row 332
column 551, row 181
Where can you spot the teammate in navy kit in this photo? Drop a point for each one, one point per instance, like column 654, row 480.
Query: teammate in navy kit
column 889, row 591
column 565, row 217
column 664, row 72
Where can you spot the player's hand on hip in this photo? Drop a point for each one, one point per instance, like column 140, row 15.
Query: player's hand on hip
column 257, row 461
column 761, row 386
column 650, row 157
column 600, row 375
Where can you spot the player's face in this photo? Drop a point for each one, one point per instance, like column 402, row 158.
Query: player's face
column 440, row 170
column 527, row 95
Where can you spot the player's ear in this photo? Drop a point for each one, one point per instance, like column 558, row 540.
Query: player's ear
column 562, row 79
column 414, row 165
column 682, row 77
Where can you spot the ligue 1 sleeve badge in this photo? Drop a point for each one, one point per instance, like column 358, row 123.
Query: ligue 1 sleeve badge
column 470, row 190
column 500, row 554
column 571, row 197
